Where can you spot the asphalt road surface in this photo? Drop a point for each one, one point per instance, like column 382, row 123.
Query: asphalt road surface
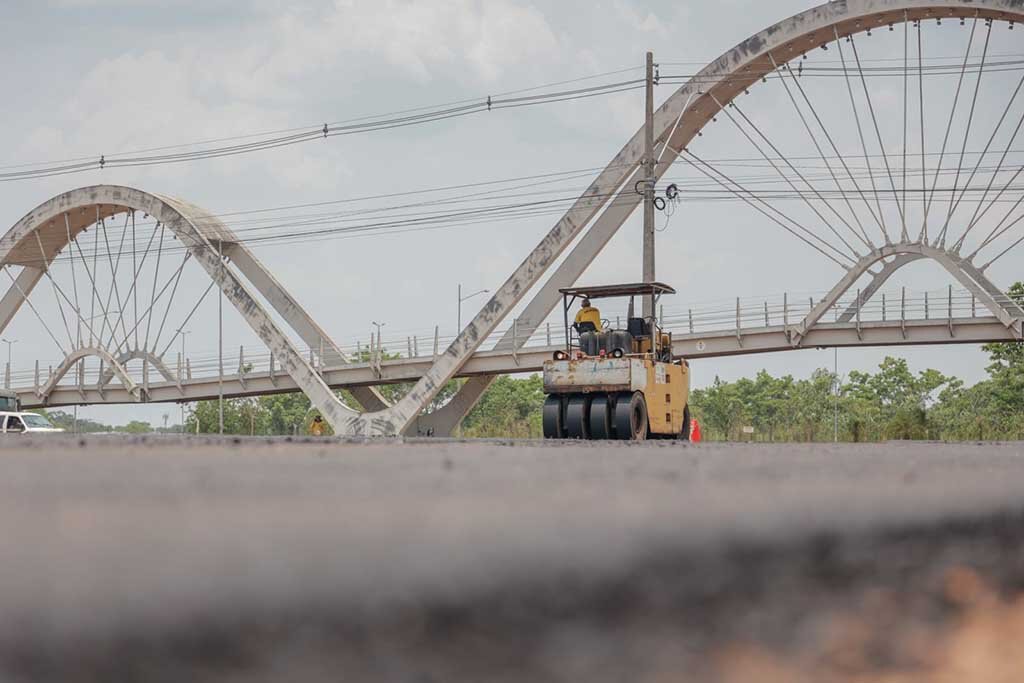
column 168, row 559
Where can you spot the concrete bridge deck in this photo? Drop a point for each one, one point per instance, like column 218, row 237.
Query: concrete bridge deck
column 697, row 346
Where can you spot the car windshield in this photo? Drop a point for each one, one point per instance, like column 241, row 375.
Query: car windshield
column 34, row 420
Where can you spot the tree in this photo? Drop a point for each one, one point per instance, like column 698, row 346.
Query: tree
column 286, row 413
column 241, row 416
column 718, row 408
column 772, row 397
column 66, row 421
column 1007, row 355
column 136, row 427
column 899, row 399
column 812, row 400
column 510, row 408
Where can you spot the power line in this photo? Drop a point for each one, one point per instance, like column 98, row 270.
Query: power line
column 306, row 134
column 255, row 142
column 485, row 191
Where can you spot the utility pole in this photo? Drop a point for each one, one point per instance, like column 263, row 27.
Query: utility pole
column 220, row 346
column 649, row 173
column 835, row 398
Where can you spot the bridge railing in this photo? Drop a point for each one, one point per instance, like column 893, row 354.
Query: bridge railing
column 716, row 317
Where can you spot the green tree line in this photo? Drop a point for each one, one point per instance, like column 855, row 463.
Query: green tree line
column 510, row 408
column 67, row 421
column 892, row 403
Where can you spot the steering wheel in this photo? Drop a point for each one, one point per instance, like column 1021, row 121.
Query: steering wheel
column 605, row 323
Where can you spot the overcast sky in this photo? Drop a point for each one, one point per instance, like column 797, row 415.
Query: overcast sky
column 91, row 77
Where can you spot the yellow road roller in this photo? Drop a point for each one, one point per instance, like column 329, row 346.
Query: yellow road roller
column 616, row 383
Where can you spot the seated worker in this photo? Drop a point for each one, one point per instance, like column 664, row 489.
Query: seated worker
column 588, row 316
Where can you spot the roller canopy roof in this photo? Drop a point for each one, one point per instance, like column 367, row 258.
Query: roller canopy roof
column 609, row 291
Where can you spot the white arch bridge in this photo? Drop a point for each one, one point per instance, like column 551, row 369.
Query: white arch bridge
column 878, row 197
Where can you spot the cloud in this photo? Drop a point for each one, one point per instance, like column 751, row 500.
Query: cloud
column 639, row 20
column 419, row 41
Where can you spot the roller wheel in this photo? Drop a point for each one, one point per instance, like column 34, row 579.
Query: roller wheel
column 554, row 418
column 631, row 417
column 684, row 433
column 577, row 417
column 601, row 408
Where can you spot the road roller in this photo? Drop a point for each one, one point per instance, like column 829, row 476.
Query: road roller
column 616, row 383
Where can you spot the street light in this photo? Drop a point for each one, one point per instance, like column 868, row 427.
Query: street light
column 181, row 362
column 467, row 298
column 183, row 333
column 380, row 343
column 10, row 343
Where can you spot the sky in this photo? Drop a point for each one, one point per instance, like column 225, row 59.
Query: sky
column 92, row 77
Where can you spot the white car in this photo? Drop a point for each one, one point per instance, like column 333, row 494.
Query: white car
column 20, row 423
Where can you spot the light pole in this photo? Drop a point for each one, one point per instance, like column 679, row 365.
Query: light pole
column 181, row 365
column 7, row 375
column 375, row 353
column 10, row 343
column 183, row 333
column 467, row 298
column 378, row 326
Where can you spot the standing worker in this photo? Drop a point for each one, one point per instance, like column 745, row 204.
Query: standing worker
column 587, row 316
column 316, row 428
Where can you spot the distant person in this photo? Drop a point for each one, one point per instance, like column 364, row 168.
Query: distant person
column 316, row 428
column 588, row 316
column 694, row 431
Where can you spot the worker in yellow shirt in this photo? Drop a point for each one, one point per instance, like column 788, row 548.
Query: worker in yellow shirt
column 588, row 314
column 316, row 428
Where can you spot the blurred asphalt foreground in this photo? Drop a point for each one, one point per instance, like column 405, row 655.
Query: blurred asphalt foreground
column 167, row 559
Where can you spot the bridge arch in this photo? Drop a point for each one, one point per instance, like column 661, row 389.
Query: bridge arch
column 146, row 357
column 37, row 239
column 78, row 355
column 894, row 257
column 113, row 366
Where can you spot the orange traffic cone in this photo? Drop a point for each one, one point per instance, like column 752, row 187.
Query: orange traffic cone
column 694, row 431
